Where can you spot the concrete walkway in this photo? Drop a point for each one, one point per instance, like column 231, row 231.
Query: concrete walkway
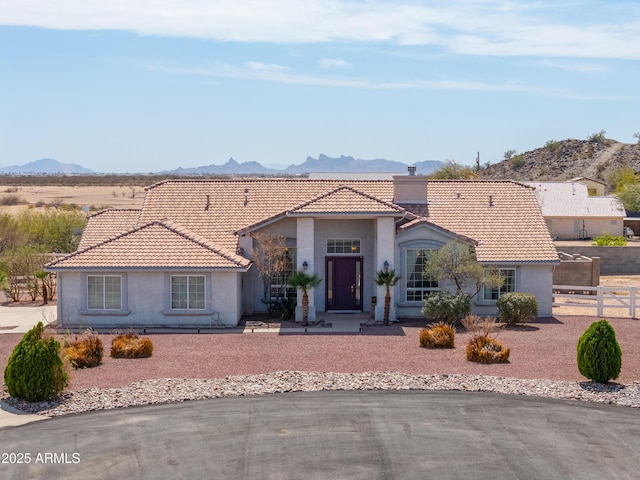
column 342, row 435
column 23, row 319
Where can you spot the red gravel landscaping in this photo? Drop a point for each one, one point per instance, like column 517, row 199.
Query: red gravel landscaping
column 544, row 349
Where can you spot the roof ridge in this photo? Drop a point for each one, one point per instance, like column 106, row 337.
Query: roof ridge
column 350, row 188
column 165, row 223
column 112, row 209
column 198, row 239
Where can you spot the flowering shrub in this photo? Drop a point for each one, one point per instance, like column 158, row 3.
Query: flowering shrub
column 446, row 307
column 516, row 307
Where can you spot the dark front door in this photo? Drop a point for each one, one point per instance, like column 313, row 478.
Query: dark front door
column 344, row 283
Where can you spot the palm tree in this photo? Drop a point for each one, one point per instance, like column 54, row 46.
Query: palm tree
column 304, row 282
column 388, row 279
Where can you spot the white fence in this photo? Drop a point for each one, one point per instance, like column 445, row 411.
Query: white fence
column 599, row 297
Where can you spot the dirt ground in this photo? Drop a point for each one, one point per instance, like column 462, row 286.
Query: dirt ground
column 96, row 196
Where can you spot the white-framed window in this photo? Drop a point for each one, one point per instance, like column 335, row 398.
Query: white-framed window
column 104, row 292
column 286, row 266
column 509, row 285
column 188, row 292
column 343, row 245
column 417, row 285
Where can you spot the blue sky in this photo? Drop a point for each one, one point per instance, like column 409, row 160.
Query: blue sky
column 155, row 84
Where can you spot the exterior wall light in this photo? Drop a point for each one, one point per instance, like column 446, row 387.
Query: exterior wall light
column 386, row 266
column 305, row 265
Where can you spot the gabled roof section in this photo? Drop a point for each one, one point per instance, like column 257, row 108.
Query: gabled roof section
column 503, row 216
column 347, row 200
column 217, row 209
column 107, row 224
column 158, row 244
column 341, row 201
column 424, row 222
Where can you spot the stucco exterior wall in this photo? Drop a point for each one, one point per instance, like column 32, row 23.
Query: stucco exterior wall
column 534, row 279
column 571, row 228
column 146, row 301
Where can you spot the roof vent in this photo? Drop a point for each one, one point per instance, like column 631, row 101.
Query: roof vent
column 412, row 170
column 491, row 200
column 246, row 196
column 208, row 204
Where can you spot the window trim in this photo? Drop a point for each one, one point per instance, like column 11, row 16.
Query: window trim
column 408, row 273
column 188, row 300
column 85, row 310
column 355, row 243
column 501, row 290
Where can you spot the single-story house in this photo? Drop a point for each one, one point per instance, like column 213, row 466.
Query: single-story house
column 185, row 257
column 595, row 188
column 570, row 213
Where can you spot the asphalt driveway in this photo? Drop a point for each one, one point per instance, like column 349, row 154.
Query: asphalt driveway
column 339, row 435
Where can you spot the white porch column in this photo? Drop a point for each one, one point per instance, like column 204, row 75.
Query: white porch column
column 305, row 253
column 385, row 248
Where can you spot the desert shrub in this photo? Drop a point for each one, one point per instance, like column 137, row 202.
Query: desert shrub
column 129, row 345
column 517, row 307
column 10, row 200
column 482, row 349
column 85, row 350
column 609, row 240
column 597, row 137
column 35, row 371
column 479, row 326
column 446, row 307
column 599, row 354
column 517, row 161
column 439, row 335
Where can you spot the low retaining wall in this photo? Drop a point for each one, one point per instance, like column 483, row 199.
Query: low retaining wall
column 613, row 260
column 577, row 270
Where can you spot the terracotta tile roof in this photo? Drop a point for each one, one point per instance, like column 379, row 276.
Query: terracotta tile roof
column 341, row 201
column 216, row 209
column 503, row 216
column 158, row 244
column 107, row 224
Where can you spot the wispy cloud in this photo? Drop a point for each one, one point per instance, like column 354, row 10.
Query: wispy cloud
column 255, row 71
column 333, row 63
column 467, row 27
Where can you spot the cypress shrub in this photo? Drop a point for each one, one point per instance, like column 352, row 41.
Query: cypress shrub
column 516, row 307
column 35, row 371
column 599, row 354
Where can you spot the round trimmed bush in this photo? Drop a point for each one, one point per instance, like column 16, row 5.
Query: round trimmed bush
column 483, row 349
column 35, row 370
column 517, row 307
column 440, row 335
column 446, row 307
column 599, row 354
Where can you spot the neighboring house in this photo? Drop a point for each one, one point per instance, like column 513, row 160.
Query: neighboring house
column 184, row 258
column 595, row 188
column 570, row 213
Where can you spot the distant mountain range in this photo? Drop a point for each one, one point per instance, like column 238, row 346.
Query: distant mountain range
column 342, row 164
column 46, row 166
